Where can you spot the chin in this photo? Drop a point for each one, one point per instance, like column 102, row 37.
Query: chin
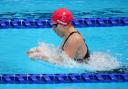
column 60, row 36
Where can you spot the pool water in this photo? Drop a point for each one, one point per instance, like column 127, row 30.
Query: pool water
column 14, row 43
column 80, row 8
column 68, row 86
column 109, row 41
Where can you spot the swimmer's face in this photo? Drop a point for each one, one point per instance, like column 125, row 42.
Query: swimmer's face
column 57, row 28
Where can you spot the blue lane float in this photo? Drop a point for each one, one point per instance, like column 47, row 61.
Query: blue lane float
column 62, row 78
column 4, row 23
column 78, row 22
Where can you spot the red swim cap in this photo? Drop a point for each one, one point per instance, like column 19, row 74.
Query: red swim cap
column 62, row 16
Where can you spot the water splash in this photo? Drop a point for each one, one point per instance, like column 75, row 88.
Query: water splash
column 99, row 61
column 102, row 61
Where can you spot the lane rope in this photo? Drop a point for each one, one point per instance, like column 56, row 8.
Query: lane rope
column 78, row 22
column 63, row 78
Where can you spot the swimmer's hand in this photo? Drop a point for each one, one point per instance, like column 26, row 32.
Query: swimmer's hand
column 30, row 54
column 36, row 54
column 33, row 52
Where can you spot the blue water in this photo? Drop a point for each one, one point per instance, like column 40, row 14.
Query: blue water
column 15, row 42
column 68, row 86
column 80, row 8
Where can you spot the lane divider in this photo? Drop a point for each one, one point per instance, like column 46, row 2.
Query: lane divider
column 62, row 78
column 78, row 22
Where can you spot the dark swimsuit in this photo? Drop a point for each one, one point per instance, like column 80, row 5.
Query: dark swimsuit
column 87, row 55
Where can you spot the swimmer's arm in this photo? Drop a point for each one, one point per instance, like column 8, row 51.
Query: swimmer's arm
column 36, row 55
column 43, row 57
column 71, row 47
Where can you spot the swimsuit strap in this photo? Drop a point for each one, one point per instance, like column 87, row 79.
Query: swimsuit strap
column 67, row 38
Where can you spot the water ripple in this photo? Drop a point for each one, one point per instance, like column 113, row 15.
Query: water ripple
column 107, row 12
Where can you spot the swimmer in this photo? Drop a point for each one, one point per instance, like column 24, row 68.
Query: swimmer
column 73, row 44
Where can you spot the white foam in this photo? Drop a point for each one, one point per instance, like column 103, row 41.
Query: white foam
column 56, row 55
column 103, row 61
column 98, row 60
